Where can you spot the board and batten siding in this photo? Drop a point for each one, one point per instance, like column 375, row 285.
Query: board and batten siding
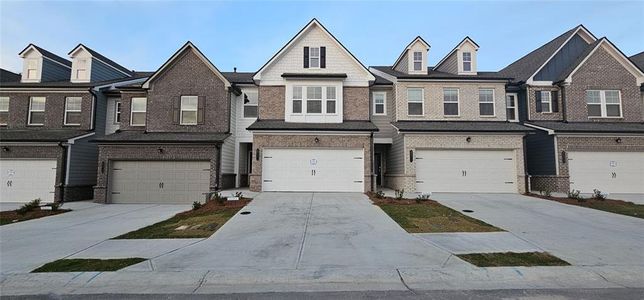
column 83, row 162
column 562, row 60
column 52, row 71
column 540, row 154
column 102, row 71
column 111, row 125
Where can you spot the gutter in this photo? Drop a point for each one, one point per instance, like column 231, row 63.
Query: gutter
column 549, row 131
column 94, row 107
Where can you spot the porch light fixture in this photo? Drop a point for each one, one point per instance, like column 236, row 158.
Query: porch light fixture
column 257, row 154
column 411, row 155
column 468, row 139
column 563, row 157
column 5, row 149
column 102, row 167
column 618, row 140
column 246, row 99
column 160, row 150
column 316, row 140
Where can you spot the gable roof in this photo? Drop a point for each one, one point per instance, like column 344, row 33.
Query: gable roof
column 186, row 46
column 638, row 60
column 417, row 39
column 102, row 58
column 590, row 49
column 313, row 22
column 527, row 66
column 438, row 75
column 467, row 38
column 8, row 76
column 47, row 54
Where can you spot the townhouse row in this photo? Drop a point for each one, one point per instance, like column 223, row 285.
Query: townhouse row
column 568, row 115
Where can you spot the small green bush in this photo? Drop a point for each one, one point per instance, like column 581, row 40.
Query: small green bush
column 546, row 193
column 422, row 197
column 29, row 206
column 239, row 195
column 598, row 195
column 196, row 205
column 574, row 194
column 379, row 194
column 400, row 194
column 55, row 206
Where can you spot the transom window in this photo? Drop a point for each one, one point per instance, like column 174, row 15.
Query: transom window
column 418, row 61
column 189, row 107
column 379, row 105
column 511, row 107
column 250, row 105
column 137, row 116
column 415, row 100
column 467, row 61
column 546, row 101
column 37, row 111
column 4, row 110
column 314, row 57
column 73, row 110
column 450, row 102
column 604, row 104
column 486, row 102
column 32, row 68
column 117, row 112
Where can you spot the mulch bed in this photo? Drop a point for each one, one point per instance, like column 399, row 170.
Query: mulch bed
column 609, row 205
column 11, row 216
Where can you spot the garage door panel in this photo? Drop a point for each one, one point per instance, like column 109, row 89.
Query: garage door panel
column 612, row 172
column 24, row 180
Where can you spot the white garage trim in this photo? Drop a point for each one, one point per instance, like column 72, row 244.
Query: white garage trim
column 24, row 180
column 612, row 172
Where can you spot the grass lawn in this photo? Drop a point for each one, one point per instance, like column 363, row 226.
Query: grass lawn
column 88, row 265
column 615, row 206
column 429, row 216
column 200, row 223
column 512, row 259
column 11, row 216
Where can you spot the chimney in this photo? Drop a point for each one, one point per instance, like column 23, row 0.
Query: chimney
column 235, row 69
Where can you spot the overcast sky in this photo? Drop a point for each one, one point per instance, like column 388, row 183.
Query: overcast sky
column 142, row 35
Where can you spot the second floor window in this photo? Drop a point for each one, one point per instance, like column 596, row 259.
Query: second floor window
column 379, row 99
column 415, row 99
column 36, row 111
column 137, row 114
column 250, row 105
column 450, row 102
column 32, row 69
column 486, row 102
column 604, row 104
column 314, row 99
column 511, row 107
column 467, row 61
column 73, row 110
column 117, row 112
column 189, row 110
column 418, row 61
column 81, row 70
column 314, row 57
column 330, row 100
column 546, row 101
column 4, row 110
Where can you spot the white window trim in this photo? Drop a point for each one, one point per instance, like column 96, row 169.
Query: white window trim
column 319, row 57
column 414, row 61
column 305, row 100
column 603, row 104
column 67, row 110
column 384, row 103
column 31, row 110
column 549, row 93
column 138, row 111
column 117, row 112
column 5, row 111
column 181, row 110
column 422, row 101
column 465, row 61
column 515, row 107
column 493, row 115
column 458, row 102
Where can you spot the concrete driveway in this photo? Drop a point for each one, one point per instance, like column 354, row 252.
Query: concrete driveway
column 305, row 230
column 581, row 236
column 27, row 245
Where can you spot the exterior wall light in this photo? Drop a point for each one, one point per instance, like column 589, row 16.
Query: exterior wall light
column 618, row 140
column 564, row 157
column 160, row 150
column 468, row 139
column 257, row 154
column 5, row 149
column 316, row 140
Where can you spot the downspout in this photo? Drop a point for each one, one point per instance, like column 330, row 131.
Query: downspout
column 563, row 102
column 63, row 172
column 94, row 108
column 218, row 174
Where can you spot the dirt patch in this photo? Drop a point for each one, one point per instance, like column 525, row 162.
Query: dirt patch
column 11, row 216
column 610, row 205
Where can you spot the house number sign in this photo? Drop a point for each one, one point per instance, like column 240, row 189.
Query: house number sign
column 613, row 163
column 313, row 162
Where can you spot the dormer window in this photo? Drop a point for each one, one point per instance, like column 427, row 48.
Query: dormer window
column 418, row 61
column 81, row 70
column 467, row 61
column 32, row 68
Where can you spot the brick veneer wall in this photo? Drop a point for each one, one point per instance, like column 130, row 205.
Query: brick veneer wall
column 54, row 110
column 271, row 102
column 355, row 103
column 307, row 141
column 532, row 104
column 126, row 108
column 109, row 153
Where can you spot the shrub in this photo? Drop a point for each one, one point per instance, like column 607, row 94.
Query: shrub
column 239, row 195
column 379, row 194
column 29, row 206
column 574, row 194
column 400, row 194
column 598, row 195
column 546, row 193
column 196, row 205
column 216, row 196
column 422, row 197
column 55, row 206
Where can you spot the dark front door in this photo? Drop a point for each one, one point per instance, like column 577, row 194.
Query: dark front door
column 378, row 168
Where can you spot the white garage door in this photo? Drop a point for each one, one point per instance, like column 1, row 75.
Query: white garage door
column 310, row 170
column 159, row 181
column 487, row 171
column 26, row 180
column 612, row 172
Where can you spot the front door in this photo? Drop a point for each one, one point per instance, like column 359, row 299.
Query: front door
column 378, row 168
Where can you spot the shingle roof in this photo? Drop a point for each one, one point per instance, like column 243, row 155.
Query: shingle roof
column 381, row 81
column 638, row 60
column 239, row 77
column 103, row 58
column 282, row 125
column 140, row 136
column 462, row 126
column 613, row 127
column 433, row 74
column 8, row 76
column 50, row 55
column 39, row 135
column 527, row 65
column 69, row 84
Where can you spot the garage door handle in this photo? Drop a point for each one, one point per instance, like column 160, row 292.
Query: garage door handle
column 115, row 193
column 9, row 183
column 509, row 182
column 420, row 181
column 614, row 175
column 357, row 181
column 268, row 180
column 160, row 185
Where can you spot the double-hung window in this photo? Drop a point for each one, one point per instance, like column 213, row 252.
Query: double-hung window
column 250, row 105
column 297, row 100
column 4, row 110
column 467, row 61
column 450, row 102
column 314, row 57
column 418, row 61
column 313, row 99
column 117, row 112
column 81, row 69
column 32, row 68
column 511, row 107
column 36, row 111
column 331, row 102
column 379, row 106
column 189, row 110
column 138, row 109
column 604, row 103
column 73, row 111
column 486, row 102
column 415, row 99
column 546, row 101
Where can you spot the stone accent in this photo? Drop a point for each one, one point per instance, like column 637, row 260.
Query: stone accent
column 532, row 104
column 54, row 110
column 596, row 144
column 109, row 153
column 603, row 71
column 271, row 102
column 307, row 141
column 550, row 183
column 51, row 151
column 355, row 103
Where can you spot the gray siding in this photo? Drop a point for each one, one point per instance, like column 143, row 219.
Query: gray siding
column 540, row 149
column 403, row 65
column 83, row 162
column 110, row 123
column 450, row 65
column 228, row 148
column 522, row 101
column 566, row 56
column 396, row 158
column 384, row 122
column 99, row 114
column 102, row 72
column 52, row 71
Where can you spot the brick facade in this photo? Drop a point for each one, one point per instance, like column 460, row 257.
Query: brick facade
column 110, row 153
column 54, row 110
column 355, row 103
column 271, row 102
column 532, row 104
column 126, row 109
